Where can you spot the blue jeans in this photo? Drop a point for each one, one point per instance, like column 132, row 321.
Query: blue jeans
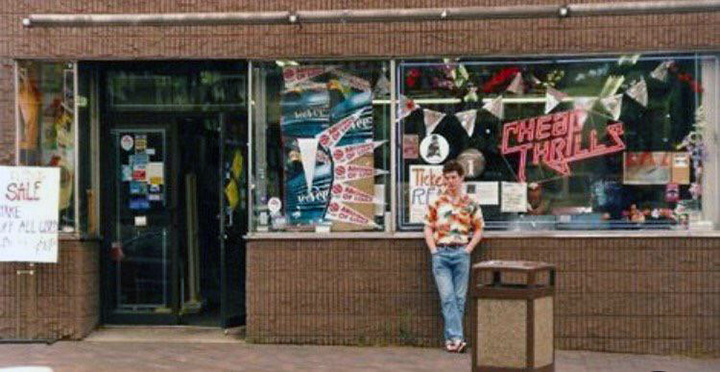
column 451, row 268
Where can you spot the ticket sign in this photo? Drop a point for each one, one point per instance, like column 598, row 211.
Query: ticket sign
column 29, row 199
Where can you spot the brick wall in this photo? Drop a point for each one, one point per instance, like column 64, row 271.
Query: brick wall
column 58, row 301
column 657, row 295
column 7, row 112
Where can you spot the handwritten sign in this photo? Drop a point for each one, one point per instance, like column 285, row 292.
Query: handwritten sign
column 426, row 184
column 29, row 198
column 556, row 140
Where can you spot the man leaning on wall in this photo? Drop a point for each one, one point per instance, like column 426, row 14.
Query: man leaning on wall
column 453, row 229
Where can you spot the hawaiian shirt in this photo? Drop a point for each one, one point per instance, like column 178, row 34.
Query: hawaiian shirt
column 453, row 220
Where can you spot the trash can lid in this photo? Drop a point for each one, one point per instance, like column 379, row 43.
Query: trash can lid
column 513, row 265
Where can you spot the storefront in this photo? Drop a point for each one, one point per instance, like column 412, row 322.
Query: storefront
column 285, row 191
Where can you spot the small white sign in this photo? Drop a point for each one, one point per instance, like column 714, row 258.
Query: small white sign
column 484, row 193
column 140, row 221
column 514, row 197
column 274, row 205
column 29, row 214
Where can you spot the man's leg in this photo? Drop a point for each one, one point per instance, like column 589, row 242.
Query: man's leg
column 460, row 269
column 441, row 262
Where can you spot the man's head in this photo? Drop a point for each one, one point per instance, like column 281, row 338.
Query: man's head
column 454, row 174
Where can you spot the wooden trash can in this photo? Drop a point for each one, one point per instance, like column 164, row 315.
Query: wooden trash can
column 512, row 316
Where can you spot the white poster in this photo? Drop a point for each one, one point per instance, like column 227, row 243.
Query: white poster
column 29, row 199
column 514, row 197
column 484, row 193
column 426, row 183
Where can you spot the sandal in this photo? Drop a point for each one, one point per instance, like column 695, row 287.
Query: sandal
column 460, row 346
column 450, row 347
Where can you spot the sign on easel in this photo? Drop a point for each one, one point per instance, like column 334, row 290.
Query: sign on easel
column 29, row 199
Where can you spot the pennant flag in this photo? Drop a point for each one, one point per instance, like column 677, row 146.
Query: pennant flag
column 297, row 75
column 639, row 92
column 661, row 72
column 346, row 154
column 405, row 107
column 613, row 105
column 471, row 96
column 354, row 81
column 338, row 211
column 584, row 103
column 308, row 152
column 467, row 120
column 350, row 194
column 331, row 136
column 495, row 107
column 629, row 59
column 611, row 86
column 516, row 86
column 351, row 172
column 432, row 119
column 382, row 87
column 553, row 97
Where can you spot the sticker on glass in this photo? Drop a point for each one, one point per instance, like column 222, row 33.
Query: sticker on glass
column 434, row 149
column 138, row 188
column 139, row 203
column 274, row 205
column 126, row 142
column 126, row 173
column 140, row 142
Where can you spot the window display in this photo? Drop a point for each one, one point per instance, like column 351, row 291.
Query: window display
column 320, row 136
column 46, row 125
column 596, row 143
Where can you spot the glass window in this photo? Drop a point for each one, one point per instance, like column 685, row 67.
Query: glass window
column 46, row 127
column 592, row 143
column 321, row 156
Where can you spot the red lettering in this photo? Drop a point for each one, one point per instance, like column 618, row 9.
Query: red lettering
column 543, row 127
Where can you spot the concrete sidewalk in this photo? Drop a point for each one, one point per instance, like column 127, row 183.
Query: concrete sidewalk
column 178, row 356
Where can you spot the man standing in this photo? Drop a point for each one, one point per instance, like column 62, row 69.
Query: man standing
column 449, row 223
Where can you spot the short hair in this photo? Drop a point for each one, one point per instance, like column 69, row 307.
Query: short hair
column 454, row 166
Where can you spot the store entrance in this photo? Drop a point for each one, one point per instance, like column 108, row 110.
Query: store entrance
column 173, row 215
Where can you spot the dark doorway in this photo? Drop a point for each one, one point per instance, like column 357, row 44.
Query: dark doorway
column 173, row 141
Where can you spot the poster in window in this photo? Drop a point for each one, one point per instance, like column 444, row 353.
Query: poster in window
column 323, row 109
column 647, row 168
column 426, row 184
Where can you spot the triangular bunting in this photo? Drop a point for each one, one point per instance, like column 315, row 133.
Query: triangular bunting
column 405, row 107
column 331, row 136
column 432, row 119
column 613, row 105
column 553, row 97
column 496, row 107
column 639, row 92
column 382, row 87
column 661, row 72
column 347, row 154
column 467, row 120
column 308, row 151
column 516, row 86
column 340, row 212
column 584, row 103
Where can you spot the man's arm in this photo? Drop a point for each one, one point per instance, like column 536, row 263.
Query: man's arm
column 477, row 236
column 429, row 239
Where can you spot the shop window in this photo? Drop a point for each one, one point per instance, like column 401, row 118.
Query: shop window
column 320, row 138
column 583, row 144
column 46, row 126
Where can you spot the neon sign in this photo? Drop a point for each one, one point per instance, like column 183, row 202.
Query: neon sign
column 556, row 140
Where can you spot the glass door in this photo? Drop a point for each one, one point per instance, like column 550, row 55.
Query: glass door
column 141, row 226
column 233, row 218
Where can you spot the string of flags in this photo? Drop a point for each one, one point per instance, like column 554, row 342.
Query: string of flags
column 609, row 99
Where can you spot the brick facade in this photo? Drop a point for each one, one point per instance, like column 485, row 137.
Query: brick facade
column 629, row 295
column 656, row 295
column 56, row 301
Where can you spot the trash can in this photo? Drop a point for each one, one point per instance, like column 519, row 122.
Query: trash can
column 512, row 316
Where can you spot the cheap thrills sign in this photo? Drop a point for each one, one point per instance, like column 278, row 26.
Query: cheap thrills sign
column 556, row 140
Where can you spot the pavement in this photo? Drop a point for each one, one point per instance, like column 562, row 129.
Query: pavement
column 111, row 351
